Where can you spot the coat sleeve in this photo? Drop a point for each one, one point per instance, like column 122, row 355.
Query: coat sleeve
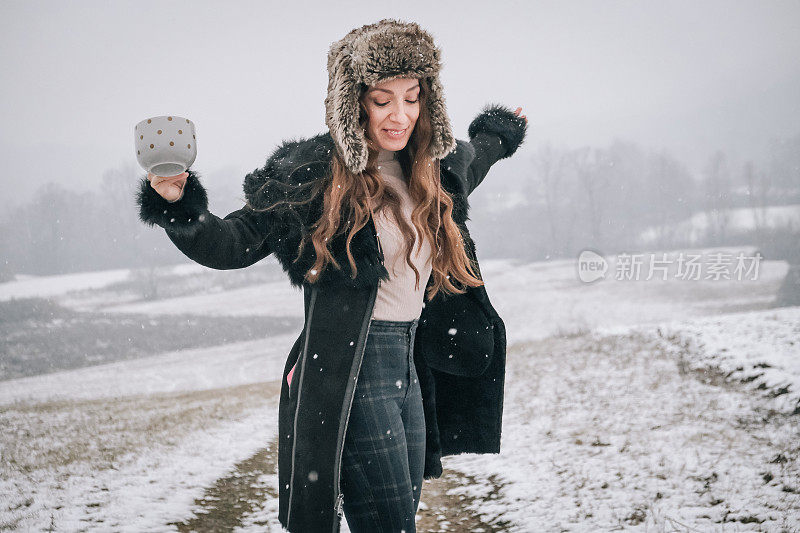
column 236, row 241
column 495, row 134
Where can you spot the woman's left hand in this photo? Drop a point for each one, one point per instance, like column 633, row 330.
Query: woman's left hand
column 518, row 111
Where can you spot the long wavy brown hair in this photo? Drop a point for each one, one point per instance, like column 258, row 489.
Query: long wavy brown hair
column 353, row 198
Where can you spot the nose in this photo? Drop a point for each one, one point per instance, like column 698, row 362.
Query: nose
column 398, row 113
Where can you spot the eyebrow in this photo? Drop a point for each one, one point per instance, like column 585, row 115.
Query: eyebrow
column 390, row 92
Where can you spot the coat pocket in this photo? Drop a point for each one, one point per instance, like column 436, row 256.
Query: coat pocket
column 455, row 335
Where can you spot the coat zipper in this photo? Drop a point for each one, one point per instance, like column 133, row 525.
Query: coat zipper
column 297, row 409
column 338, row 484
column 339, row 495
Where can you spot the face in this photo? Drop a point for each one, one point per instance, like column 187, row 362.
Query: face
column 393, row 108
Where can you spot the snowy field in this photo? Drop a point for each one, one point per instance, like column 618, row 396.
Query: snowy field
column 649, row 405
column 739, row 219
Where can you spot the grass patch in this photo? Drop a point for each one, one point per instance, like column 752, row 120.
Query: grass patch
column 101, row 433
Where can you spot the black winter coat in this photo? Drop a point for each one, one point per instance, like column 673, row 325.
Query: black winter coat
column 463, row 404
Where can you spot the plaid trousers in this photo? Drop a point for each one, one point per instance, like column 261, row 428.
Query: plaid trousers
column 384, row 450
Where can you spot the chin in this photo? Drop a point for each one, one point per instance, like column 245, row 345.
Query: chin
column 394, row 145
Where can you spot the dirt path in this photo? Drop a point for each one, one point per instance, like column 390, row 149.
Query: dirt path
column 246, row 499
column 443, row 509
column 225, row 505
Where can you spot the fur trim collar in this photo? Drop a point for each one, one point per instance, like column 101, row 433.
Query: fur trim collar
column 292, row 167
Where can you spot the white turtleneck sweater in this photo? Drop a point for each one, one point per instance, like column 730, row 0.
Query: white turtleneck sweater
column 397, row 298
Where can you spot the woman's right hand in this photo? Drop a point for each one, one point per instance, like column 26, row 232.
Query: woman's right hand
column 169, row 187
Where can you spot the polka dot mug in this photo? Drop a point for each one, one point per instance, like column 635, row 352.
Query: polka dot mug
column 166, row 145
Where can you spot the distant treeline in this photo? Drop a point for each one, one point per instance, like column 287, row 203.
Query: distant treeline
column 624, row 198
column 62, row 231
column 602, row 198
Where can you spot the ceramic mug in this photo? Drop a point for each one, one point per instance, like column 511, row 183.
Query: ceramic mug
column 166, row 145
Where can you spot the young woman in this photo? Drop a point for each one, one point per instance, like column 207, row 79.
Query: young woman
column 402, row 357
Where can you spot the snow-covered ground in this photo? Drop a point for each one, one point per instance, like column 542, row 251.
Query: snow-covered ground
column 82, row 478
column 760, row 349
column 629, row 404
column 44, row 286
column 55, row 286
column 740, row 219
column 603, row 432
column 537, row 300
column 277, row 298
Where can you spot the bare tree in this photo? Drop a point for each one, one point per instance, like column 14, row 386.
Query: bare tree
column 758, row 190
column 717, row 197
column 146, row 282
column 593, row 181
column 550, row 175
column 784, row 167
column 669, row 189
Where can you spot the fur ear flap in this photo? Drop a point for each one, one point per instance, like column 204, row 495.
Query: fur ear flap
column 500, row 120
column 181, row 217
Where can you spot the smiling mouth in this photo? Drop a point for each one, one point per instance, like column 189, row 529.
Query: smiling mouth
column 395, row 133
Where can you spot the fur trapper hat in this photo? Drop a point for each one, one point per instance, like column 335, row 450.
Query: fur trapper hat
column 373, row 53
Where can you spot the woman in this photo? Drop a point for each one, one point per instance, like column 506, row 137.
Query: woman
column 402, row 357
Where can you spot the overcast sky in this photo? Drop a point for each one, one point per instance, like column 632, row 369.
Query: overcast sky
column 688, row 76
